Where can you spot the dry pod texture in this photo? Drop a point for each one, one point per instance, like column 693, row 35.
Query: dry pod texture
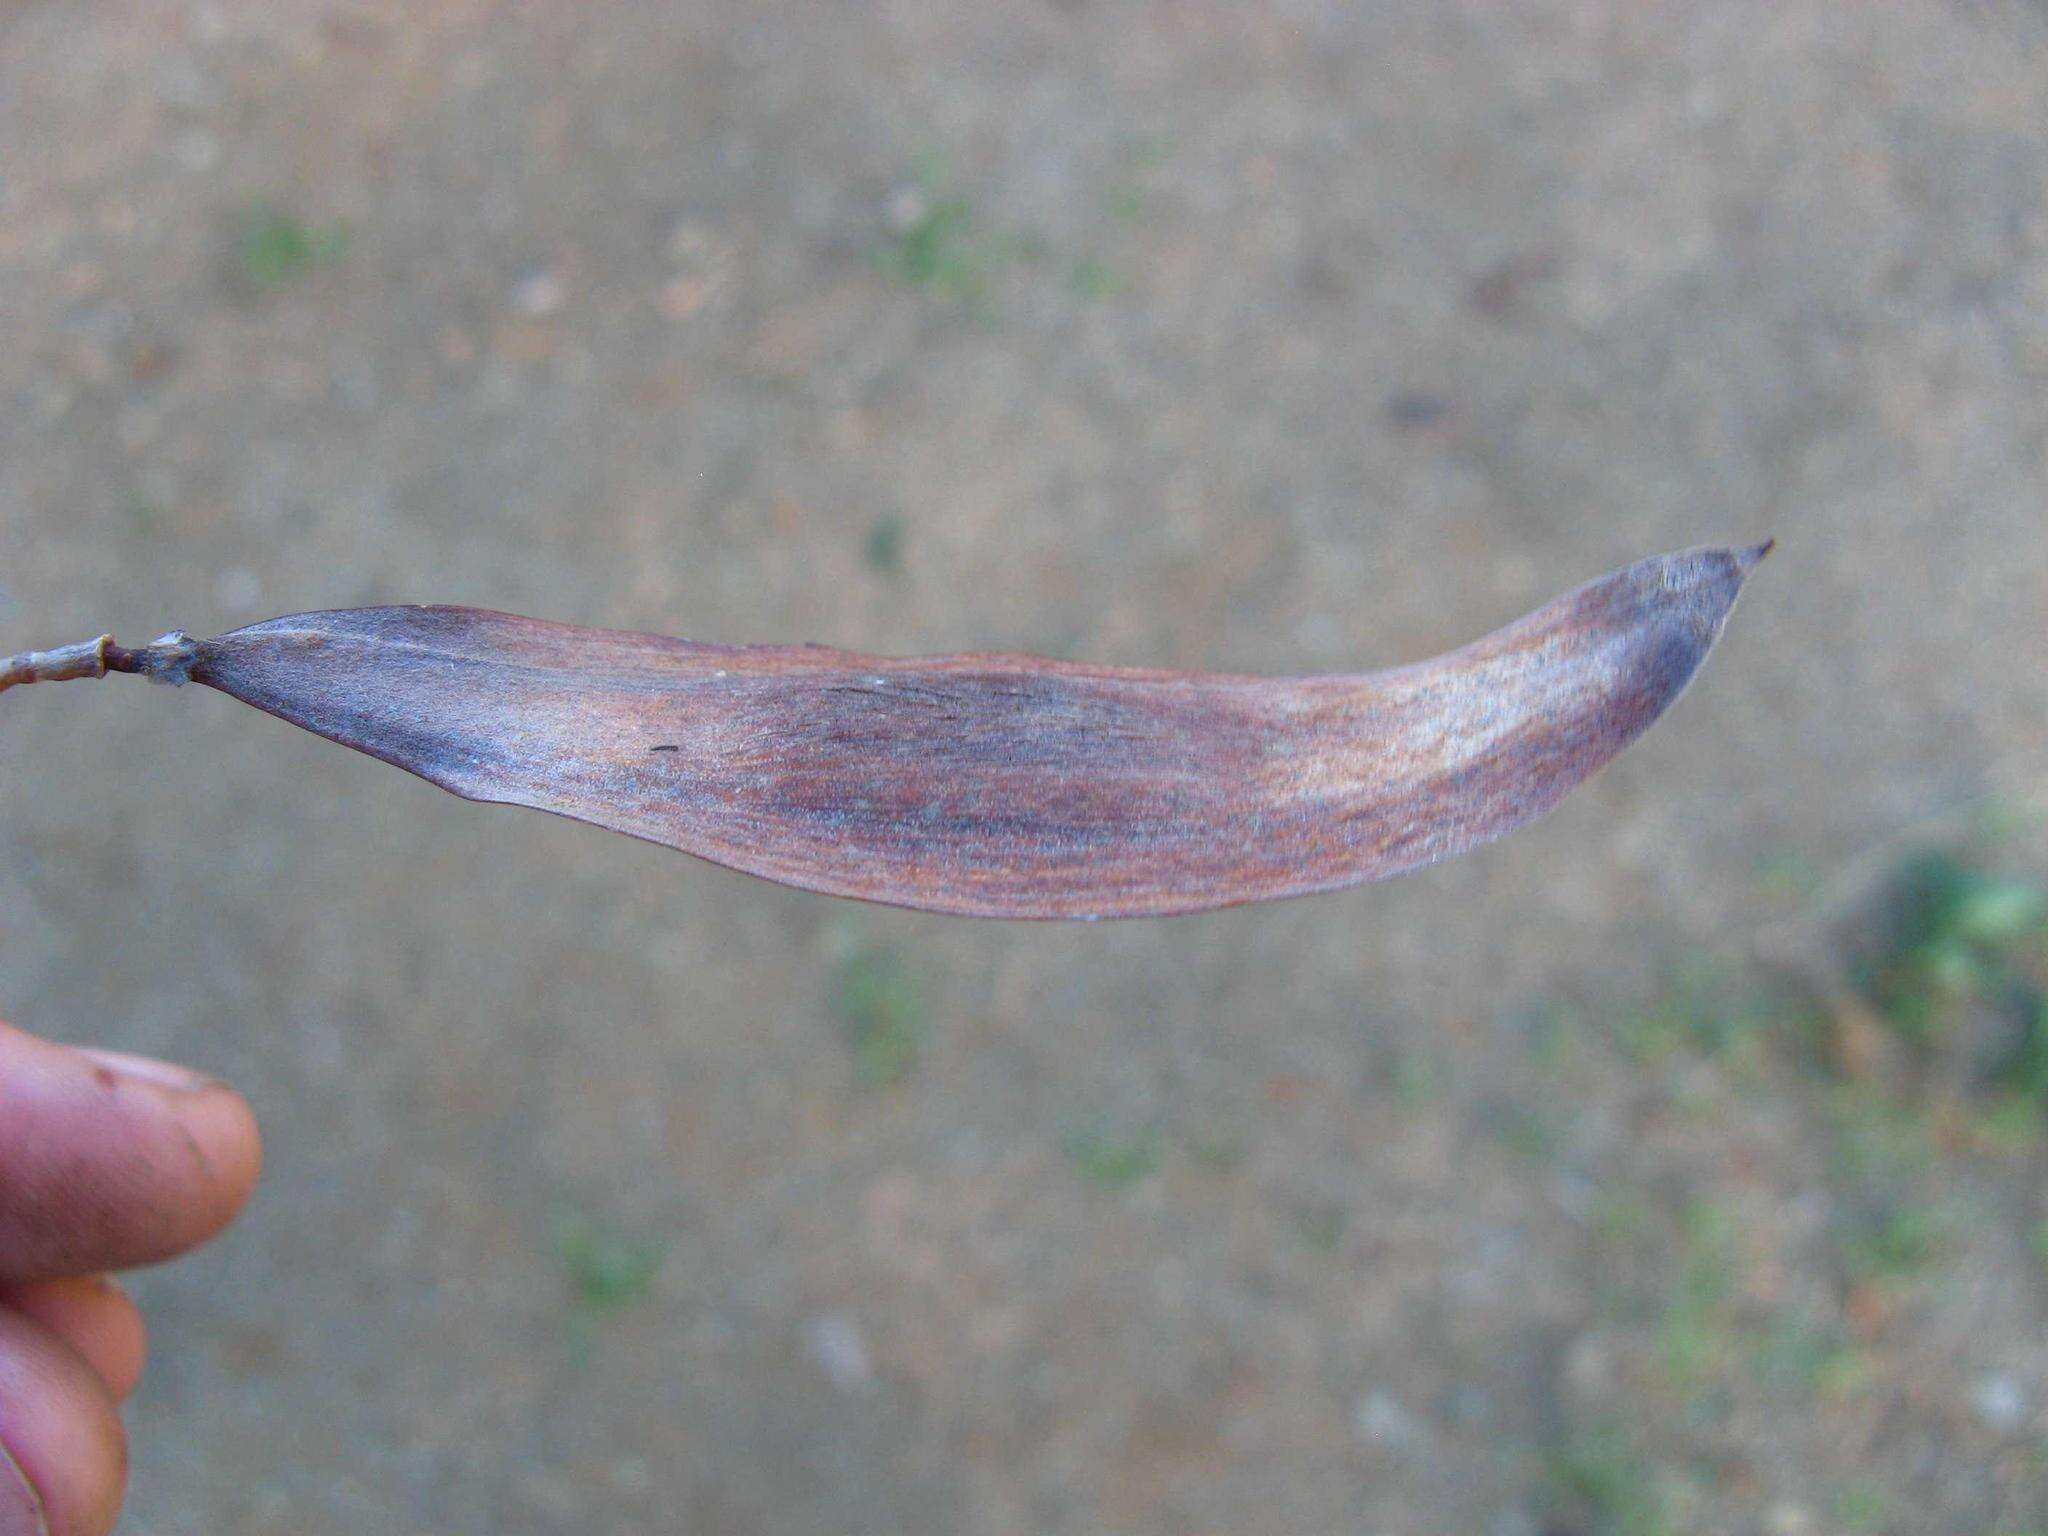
column 988, row 785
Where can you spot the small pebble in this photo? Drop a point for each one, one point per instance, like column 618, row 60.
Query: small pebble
column 1468, row 1406
column 839, row 1350
column 136, row 428
column 196, row 151
column 2000, row 1404
column 1589, row 1369
column 1416, row 412
column 631, row 1474
column 208, row 22
column 237, row 587
column 690, row 245
column 1318, row 632
column 457, row 347
column 1382, row 1420
column 905, row 209
column 537, row 294
column 682, row 297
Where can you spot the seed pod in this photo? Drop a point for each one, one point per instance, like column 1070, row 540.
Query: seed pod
column 986, row 785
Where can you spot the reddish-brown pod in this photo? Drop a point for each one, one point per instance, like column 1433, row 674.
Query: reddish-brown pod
column 987, row 785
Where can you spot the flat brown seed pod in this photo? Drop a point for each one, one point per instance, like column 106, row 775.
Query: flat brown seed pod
column 986, row 785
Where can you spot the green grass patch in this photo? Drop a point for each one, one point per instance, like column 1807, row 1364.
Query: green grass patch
column 1113, row 1163
column 1787, row 877
column 2025, row 1070
column 881, row 1008
column 1708, row 1007
column 608, row 1267
column 1859, row 1507
column 144, row 516
column 2009, row 1125
column 1219, row 1150
column 1321, row 1226
column 1127, row 197
column 1413, row 1080
column 1950, row 933
column 940, row 247
column 1527, row 1133
column 1897, row 1243
column 1694, row 1336
column 1595, row 1480
column 1553, row 1037
column 1813, row 1362
column 883, row 547
column 272, row 248
column 1622, row 1222
column 1093, row 279
column 1878, row 1141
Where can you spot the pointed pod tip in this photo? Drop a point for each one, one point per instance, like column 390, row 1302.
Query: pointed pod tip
column 1748, row 559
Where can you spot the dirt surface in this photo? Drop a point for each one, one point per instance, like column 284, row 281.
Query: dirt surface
column 610, row 1192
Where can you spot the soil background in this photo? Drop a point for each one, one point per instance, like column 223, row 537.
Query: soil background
column 612, row 1192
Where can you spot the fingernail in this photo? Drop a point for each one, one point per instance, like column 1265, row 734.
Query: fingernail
column 21, row 1511
column 147, row 1069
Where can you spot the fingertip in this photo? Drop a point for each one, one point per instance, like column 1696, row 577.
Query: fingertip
column 215, row 1151
column 113, row 1160
column 214, row 1127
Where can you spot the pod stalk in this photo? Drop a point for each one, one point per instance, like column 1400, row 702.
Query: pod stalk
column 168, row 659
column 86, row 659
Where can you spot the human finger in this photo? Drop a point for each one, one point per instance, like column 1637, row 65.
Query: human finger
column 94, row 1316
column 109, row 1160
column 63, row 1454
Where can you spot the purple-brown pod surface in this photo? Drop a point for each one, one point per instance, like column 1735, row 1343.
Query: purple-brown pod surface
column 987, row 785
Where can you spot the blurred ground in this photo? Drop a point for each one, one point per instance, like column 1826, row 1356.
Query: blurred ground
column 609, row 1192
